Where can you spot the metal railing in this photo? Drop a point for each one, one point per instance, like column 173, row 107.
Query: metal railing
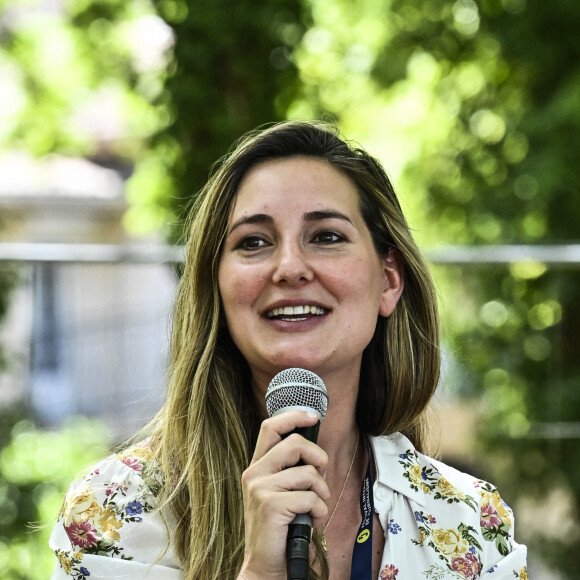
column 91, row 253
column 567, row 255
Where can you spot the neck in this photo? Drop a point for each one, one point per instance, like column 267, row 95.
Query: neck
column 338, row 437
column 344, row 474
column 338, row 431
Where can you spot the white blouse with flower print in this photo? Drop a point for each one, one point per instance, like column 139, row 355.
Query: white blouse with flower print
column 439, row 523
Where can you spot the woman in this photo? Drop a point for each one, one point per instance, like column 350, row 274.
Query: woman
column 298, row 255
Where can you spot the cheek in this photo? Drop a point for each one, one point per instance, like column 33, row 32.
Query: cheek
column 365, row 282
column 226, row 288
column 239, row 288
column 364, row 304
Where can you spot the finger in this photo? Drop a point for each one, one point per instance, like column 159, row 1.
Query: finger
column 305, row 502
column 275, row 428
column 288, row 453
column 299, row 478
column 273, row 506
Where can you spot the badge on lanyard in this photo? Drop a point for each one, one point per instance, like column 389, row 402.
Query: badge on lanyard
column 362, row 555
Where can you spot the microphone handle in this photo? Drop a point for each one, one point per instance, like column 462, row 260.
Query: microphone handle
column 300, row 530
column 298, row 548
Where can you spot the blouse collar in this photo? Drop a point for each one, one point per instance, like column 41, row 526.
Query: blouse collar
column 398, row 466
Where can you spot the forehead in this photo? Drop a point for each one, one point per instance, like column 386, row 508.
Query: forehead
column 304, row 180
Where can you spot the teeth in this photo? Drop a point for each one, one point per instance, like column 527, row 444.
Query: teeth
column 294, row 310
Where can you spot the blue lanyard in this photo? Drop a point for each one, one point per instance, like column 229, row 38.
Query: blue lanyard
column 362, row 555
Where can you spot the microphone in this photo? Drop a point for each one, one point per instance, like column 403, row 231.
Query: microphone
column 292, row 389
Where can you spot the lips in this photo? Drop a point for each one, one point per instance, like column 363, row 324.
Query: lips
column 295, row 312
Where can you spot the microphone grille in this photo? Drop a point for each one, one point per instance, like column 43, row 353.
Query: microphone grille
column 296, row 388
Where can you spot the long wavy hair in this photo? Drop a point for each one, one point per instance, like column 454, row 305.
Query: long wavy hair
column 206, row 432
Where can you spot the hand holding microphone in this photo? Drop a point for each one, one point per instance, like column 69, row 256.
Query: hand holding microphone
column 285, row 478
column 289, row 390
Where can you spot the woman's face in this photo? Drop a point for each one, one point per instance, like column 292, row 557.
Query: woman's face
column 300, row 280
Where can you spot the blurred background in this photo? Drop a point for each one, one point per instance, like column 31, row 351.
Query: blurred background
column 113, row 111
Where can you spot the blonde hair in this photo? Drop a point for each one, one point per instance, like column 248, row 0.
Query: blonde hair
column 207, row 429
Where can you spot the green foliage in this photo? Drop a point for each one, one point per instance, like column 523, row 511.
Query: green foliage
column 231, row 71
column 505, row 172
column 35, row 469
column 87, row 80
column 76, row 81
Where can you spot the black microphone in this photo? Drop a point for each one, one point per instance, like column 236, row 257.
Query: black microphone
column 300, row 389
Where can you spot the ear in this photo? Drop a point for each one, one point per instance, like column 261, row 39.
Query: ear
column 394, row 281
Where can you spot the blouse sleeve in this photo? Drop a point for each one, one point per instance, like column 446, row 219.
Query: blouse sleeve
column 109, row 525
column 497, row 526
column 511, row 567
column 439, row 522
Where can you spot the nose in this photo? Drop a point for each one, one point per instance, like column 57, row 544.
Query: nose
column 292, row 265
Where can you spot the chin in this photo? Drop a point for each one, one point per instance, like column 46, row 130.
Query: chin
column 302, row 362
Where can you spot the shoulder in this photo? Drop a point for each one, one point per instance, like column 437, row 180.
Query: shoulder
column 126, row 483
column 459, row 518
column 112, row 510
column 428, row 480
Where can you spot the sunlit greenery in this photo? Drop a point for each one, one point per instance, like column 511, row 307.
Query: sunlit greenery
column 86, row 79
column 36, row 468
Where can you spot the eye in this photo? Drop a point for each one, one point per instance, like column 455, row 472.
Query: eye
column 252, row 243
column 328, row 237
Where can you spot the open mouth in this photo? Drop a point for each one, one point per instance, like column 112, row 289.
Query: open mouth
column 295, row 313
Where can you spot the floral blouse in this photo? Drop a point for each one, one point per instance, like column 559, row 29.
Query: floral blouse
column 108, row 526
column 439, row 523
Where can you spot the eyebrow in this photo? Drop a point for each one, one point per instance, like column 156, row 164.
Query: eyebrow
column 326, row 214
column 311, row 216
column 257, row 218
